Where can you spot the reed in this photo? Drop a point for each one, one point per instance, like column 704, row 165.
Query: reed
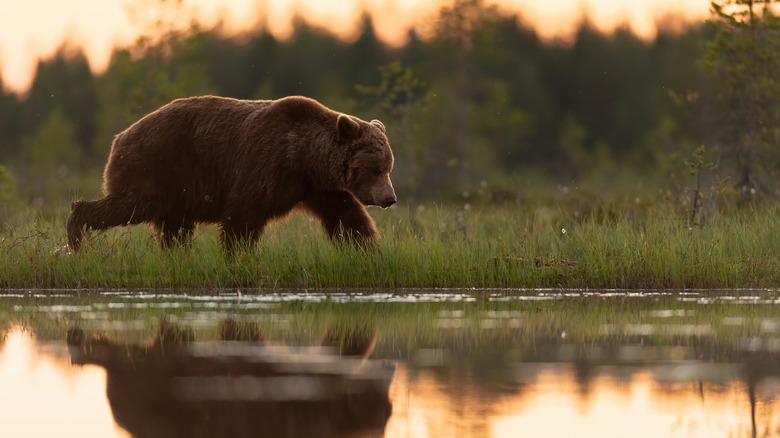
column 566, row 245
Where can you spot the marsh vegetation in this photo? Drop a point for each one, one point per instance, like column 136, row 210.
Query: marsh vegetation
column 573, row 241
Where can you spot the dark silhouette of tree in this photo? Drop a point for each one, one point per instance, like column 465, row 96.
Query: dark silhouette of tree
column 64, row 82
column 499, row 101
column 743, row 54
column 10, row 124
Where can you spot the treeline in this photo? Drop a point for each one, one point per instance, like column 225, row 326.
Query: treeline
column 482, row 105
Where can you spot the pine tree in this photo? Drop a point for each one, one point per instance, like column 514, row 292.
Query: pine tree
column 743, row 54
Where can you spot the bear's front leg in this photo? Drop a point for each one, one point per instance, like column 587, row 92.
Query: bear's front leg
column 240, row 231
column 343, row 217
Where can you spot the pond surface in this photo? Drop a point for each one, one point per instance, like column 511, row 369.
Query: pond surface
column 390, row 364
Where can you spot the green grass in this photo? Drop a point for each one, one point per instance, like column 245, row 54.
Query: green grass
column 605, row 245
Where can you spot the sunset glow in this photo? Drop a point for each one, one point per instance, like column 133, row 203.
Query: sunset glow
column 44, row 395
column 34, row 29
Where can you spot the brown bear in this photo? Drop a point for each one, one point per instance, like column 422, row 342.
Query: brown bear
column 177, row 386
column 241, row 164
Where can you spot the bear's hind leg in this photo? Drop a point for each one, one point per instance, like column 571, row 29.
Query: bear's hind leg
column 100, row 214
column 75, row 224
column 343, row 217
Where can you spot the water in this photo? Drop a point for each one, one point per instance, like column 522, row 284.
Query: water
column 395, row 364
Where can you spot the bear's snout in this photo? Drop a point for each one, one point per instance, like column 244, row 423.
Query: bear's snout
column 388, row 202
column 384, row 194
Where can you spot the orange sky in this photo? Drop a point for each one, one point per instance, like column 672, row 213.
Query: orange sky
column 30, row 29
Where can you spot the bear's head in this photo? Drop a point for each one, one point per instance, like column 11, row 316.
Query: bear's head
column 369, row 161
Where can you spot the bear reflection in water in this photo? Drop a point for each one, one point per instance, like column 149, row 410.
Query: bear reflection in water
column 175, row 386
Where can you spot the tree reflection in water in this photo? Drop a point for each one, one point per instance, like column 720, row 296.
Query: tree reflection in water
column 482, row 386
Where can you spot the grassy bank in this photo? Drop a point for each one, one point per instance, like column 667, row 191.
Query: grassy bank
column 576, row 243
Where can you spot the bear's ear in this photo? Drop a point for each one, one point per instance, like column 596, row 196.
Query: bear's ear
column 348, row 128
column 378, row 124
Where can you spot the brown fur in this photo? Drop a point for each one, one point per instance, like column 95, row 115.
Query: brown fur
column 173, row 386
column 240, row 164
